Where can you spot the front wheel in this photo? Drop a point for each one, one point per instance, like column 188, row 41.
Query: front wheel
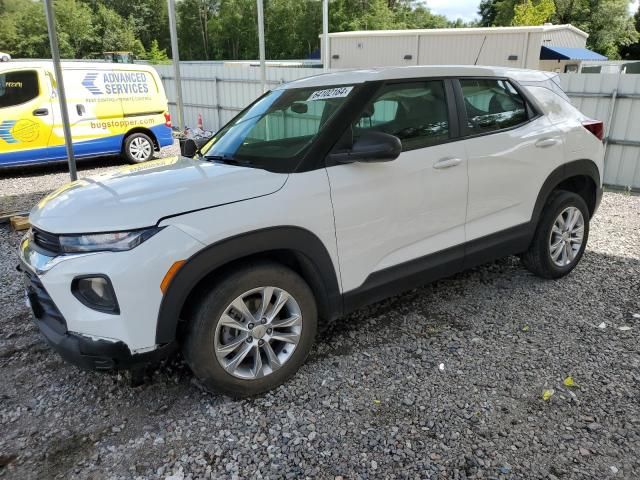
column 251, row 331
column 560, row 238
column 138, row 148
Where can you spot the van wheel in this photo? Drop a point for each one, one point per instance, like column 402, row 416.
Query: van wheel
column 252, row 331
column 138, row 148
column 4, row 58
column 560, row 238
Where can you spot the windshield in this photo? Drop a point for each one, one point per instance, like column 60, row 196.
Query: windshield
column 279, row 126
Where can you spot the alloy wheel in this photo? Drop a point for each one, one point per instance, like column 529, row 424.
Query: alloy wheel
column 566, row 237
column 258, row 332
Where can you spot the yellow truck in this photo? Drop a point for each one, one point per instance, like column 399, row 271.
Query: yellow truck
column 114, row 109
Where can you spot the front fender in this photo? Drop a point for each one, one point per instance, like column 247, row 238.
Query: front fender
column 296, row 240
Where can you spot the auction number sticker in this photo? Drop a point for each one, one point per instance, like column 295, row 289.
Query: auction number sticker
column 337, row 92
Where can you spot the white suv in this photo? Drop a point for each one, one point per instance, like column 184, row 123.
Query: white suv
column 324, row 195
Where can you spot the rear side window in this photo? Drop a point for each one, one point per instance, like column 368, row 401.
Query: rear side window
column 492, row 105
column 18, row 87
column 414, row 112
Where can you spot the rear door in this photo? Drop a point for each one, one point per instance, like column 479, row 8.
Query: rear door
column 511, row 150
column 390, row 215
column 25, row 116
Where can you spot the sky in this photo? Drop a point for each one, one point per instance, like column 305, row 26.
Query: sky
column 468, row 9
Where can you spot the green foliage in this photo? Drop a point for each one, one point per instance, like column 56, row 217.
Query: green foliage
column 85, row 28
column 115, row 33
column 488, row 11
column 227, row 29
column 632, row 52
column 529, row 14
column 76, row 32
column 155, row 55
column 608, row 23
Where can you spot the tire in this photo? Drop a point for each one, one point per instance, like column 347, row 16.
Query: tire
column 4, row 58
column 539, row 259
column 138, row 148
column 209, row 330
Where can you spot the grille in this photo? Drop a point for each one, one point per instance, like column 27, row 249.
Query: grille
column 42, row 305
column 47, row 241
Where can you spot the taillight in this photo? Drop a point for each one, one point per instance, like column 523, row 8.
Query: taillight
column 167, row 119
column 596, row 127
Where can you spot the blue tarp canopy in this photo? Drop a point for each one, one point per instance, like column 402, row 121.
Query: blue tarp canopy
column 566, row 53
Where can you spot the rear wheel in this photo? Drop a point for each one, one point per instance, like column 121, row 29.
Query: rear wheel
column 252, row 331
column 561, row 236
column 138, row 148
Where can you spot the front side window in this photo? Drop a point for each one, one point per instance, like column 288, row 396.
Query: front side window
column 492, row 105
column 279, row 126
column 414, row 112
column 18, row 87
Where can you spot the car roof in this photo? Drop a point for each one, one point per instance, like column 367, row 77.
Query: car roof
column 350, row 77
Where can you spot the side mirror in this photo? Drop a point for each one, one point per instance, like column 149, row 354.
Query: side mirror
column 299, row 107
column 190, row 146
column 371, row 147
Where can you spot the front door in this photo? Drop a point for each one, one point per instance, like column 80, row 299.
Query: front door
column 389, row 216
column 25, row 116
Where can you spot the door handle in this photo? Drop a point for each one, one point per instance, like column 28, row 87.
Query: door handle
column 80, row 109
column 447, row 163
column 546, row 142
column 40, row 112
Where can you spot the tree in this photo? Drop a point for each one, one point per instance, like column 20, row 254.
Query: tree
column 210, row 29
column 408, row 15
column 156, row 55
column 488, row 10
column 115, row 33
column 234, row 30
column 632, row 52
column 505, row 10
column 149, row 18
column 529, row 14
column 608, row 23
column 76, row 33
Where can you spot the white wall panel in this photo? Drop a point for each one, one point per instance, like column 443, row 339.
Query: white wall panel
column 372, row 51
column 563, row 38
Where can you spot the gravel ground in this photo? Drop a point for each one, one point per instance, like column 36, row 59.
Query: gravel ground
column 445, row 381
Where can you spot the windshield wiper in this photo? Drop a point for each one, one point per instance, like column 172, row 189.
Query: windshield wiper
column 227, row 159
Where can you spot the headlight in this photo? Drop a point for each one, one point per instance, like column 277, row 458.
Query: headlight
column 114, row 242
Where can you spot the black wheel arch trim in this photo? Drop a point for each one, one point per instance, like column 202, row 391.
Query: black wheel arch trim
column 308, row 248
column 563, row 172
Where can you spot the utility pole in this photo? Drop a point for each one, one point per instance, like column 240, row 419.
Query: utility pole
column 263, row 66
column 175, row 56
column 325, row 35
column 62, row 96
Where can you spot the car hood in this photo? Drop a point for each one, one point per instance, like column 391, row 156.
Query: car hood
column 140, row 195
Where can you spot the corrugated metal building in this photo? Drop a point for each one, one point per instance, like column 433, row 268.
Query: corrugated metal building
column 499, row 46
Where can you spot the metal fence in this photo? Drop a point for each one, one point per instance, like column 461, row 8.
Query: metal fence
column 219, row 92
column 614, row 99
